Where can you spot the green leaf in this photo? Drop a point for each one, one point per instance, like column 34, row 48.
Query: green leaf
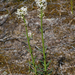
column 36, row 66
column 41, row 61
column 24, row 34
column 50, row 71
column 43, row 64
column 41, row 68
column 40, row 30
column 35, row 58
column 40, row 72
column 45, row 48
column 28, row 50
column 48, row 63
column 30, row 37
column 46, row 54
column 32, row 70
column 40, row 50
column 30, row 63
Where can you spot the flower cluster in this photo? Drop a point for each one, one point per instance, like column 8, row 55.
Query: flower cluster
column 41, row 4
column 21, row 11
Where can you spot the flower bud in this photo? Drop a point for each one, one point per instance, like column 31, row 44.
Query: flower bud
column 21, row 11
column 41, row 4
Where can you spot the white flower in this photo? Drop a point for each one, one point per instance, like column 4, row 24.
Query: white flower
column 41, row 3
column 30, row 34
column 24, row 9
column 21, row 11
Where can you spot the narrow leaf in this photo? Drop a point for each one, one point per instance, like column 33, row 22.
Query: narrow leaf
column 32, row 70
column 40, row 50
column 36, row 66
column 41, row 68
column 41, row 61
column 35, row 58
column 40, row 72
column 24, row 34
column 40, row 30
column 28, row 50
column 48, row 63
column 45, row 48
column 30, row 63
column 50, row 71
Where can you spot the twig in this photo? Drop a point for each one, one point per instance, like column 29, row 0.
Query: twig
column 8, row 67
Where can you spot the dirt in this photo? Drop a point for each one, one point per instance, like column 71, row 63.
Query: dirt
column 58, row 31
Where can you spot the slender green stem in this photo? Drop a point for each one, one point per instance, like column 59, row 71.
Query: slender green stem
column 72, row 6
column 29, row 65
column 43, row 41
column 30, row 46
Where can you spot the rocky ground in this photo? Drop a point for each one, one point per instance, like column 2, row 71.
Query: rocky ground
column 58, row 31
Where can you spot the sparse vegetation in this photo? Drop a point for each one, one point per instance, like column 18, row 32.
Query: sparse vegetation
column 43, row 66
